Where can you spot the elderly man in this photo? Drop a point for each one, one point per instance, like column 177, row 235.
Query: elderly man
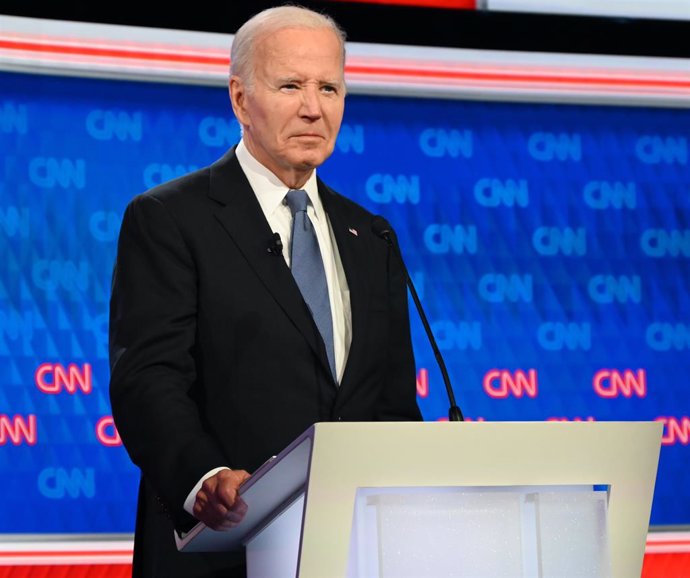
column 250, row 300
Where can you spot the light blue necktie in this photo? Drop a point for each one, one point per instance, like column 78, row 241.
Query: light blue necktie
column 307, row 269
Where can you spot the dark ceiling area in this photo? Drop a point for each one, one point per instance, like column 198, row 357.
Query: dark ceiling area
column 404, row 25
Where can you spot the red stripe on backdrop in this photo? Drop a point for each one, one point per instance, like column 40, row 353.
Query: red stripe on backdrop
column 68, row 571
column 666, row 565
column 63, row 553
column 655, row 566
column 459, row 4
column 546, row 76
column 179, row 58
column 114, row 52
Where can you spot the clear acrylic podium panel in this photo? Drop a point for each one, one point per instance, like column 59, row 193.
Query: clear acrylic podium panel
column 480, row 532
column 468, row 532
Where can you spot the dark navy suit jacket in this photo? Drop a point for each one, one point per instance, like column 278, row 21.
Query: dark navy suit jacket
column 215, row 359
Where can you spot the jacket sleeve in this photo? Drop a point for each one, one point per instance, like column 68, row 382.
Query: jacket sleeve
column 152, row 355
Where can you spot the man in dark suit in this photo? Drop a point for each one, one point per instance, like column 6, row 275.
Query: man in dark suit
column 218, row 359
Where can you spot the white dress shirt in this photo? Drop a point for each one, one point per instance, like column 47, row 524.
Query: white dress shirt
column 270, row 192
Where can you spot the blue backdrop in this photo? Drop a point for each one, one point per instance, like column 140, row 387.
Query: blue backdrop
column 550, row 244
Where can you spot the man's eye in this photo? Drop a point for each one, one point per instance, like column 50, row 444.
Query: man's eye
column 329, row 88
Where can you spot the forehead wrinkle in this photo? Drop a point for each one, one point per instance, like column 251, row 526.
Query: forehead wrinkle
column 271, row 52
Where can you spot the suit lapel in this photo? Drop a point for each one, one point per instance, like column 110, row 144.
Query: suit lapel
column 241, row 216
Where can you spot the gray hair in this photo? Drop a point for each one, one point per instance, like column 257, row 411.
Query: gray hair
column 269, row 22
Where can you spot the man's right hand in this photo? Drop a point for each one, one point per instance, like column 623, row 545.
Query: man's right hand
column 218, row 503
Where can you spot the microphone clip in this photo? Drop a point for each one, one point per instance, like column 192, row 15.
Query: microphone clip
column 275, row 247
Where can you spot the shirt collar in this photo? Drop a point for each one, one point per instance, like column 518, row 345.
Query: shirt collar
column 268, row 188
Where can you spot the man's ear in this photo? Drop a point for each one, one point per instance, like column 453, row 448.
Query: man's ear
column 238, row 92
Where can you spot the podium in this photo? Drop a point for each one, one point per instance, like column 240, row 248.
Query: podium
column 471, row 499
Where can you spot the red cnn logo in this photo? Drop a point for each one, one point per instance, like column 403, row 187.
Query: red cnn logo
column 53, row 378
column 500, row 383
column 423, row 383
column 107, row 433
column 18, row 430
column 612, row 383
column 676, row 431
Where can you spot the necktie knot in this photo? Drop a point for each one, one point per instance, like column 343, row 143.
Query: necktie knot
column 297, row 200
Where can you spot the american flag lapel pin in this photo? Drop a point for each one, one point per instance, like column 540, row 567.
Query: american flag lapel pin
column 353, row 231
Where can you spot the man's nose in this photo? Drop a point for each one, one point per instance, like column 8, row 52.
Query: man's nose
column 311, row 103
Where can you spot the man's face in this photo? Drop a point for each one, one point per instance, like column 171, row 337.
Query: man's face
column 292, row 114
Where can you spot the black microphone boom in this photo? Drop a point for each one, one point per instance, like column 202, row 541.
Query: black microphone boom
column 382, row 229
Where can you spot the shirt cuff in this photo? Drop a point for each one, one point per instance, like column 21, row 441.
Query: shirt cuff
column 191, row 497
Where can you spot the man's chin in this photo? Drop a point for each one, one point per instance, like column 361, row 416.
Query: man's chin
column 309, row 162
